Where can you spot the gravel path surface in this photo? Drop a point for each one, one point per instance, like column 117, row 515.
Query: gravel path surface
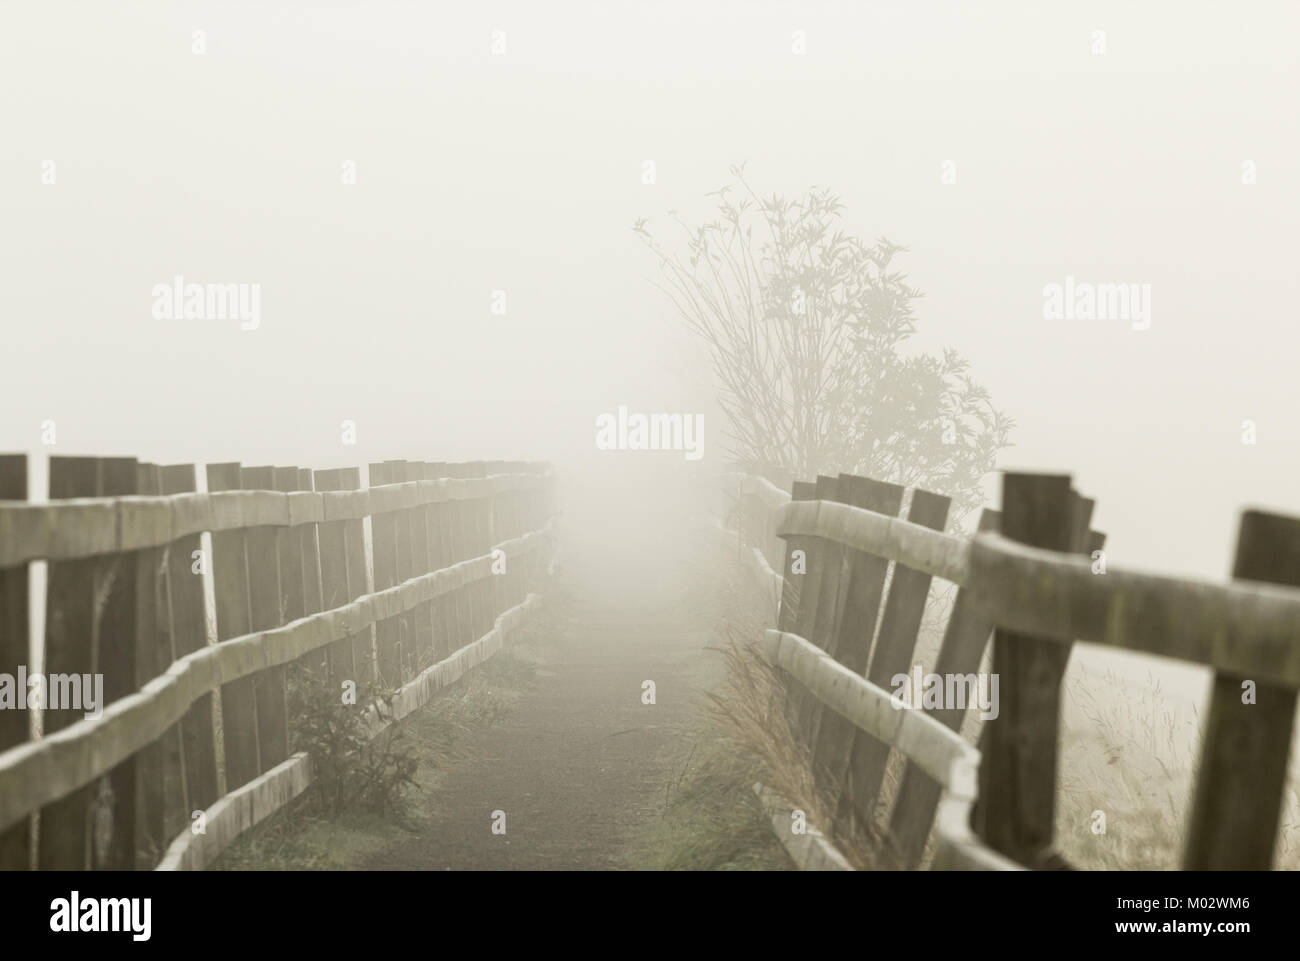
column 580, row 765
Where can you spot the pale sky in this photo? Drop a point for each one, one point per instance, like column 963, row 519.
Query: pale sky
column 522, row 172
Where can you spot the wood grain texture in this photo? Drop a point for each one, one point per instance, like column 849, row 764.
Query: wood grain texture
column 852, row 643
column 964, row 642
column 15, row 841
column 1241, row 781
column 266, row 601
column 941, row 753
column 70, row 628
column 187, row 618
column 157, row 765
column 244, row 808
column 912, row 545
column 383, row 541
column 892, row 655
column 234, row 618
column 799, row 592
column 35, row 773
column 85, row 525
column 818, row 620
column 1017, row 805
column 1245, row 628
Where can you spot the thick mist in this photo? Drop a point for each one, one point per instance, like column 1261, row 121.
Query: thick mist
column 521, row 172
column 437, row 202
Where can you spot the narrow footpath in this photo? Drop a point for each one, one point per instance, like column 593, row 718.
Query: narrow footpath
column 580, row 763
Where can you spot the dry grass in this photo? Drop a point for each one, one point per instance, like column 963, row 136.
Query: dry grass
column 711, row 820
column 1129, row 748
column 750, row 710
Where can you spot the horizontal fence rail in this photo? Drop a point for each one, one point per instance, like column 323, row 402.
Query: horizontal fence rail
column 944, row 756
column 42, row 771
column 1245, row 628
column 912, row 545
column 1028, row 582
column 460, row 553
column 246, row 806
column 86, row 527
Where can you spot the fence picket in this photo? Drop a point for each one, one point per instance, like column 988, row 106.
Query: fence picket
column 816, row 604
column 157, row 770
column 422, row 617
column 15, row 841
column 892, row 655
column 408, row 654
column 851, row 643
column 1017, row 803
column 383, row 540
column 234, row 617
column 266, row 599
column 187, row 627
column 964, row 641
column 1240, row 783
column 126, row 601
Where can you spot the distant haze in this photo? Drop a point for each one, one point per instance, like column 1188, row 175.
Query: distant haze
column 521, row 172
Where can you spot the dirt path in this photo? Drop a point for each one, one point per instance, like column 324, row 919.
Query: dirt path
column 580, row 765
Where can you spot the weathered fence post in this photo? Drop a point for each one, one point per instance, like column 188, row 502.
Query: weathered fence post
column 773, row 545
column 852, row 640
column 332, row 545
column 126, row 601
column 234, row 618
column 187, row 625
column 383, row 540
column 892, row 655
column 1241, row 779
column 15, row 841
column 794, row 588
column 817, row 602
column 964, row 640
column 439, row 558
column 399, row 472
column 288, row 543
column 299, row 582
column 462, row 529
column 794, row 567
column 1017, row 802
column 90, row 629
column 422, row 616
column 825, row 613
column 453, row 538
column 116, row 647
column 482, row 534
column 266, row 606
column 343, row 580
column 309, row 555
column 503, row 507
column 157, row 766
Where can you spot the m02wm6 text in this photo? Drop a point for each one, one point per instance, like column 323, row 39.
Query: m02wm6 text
column 1151, row 904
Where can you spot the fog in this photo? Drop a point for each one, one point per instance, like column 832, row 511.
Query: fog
column 520, row 173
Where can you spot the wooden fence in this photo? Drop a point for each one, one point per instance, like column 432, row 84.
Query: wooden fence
column 1028, row 581
column 459, row 553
